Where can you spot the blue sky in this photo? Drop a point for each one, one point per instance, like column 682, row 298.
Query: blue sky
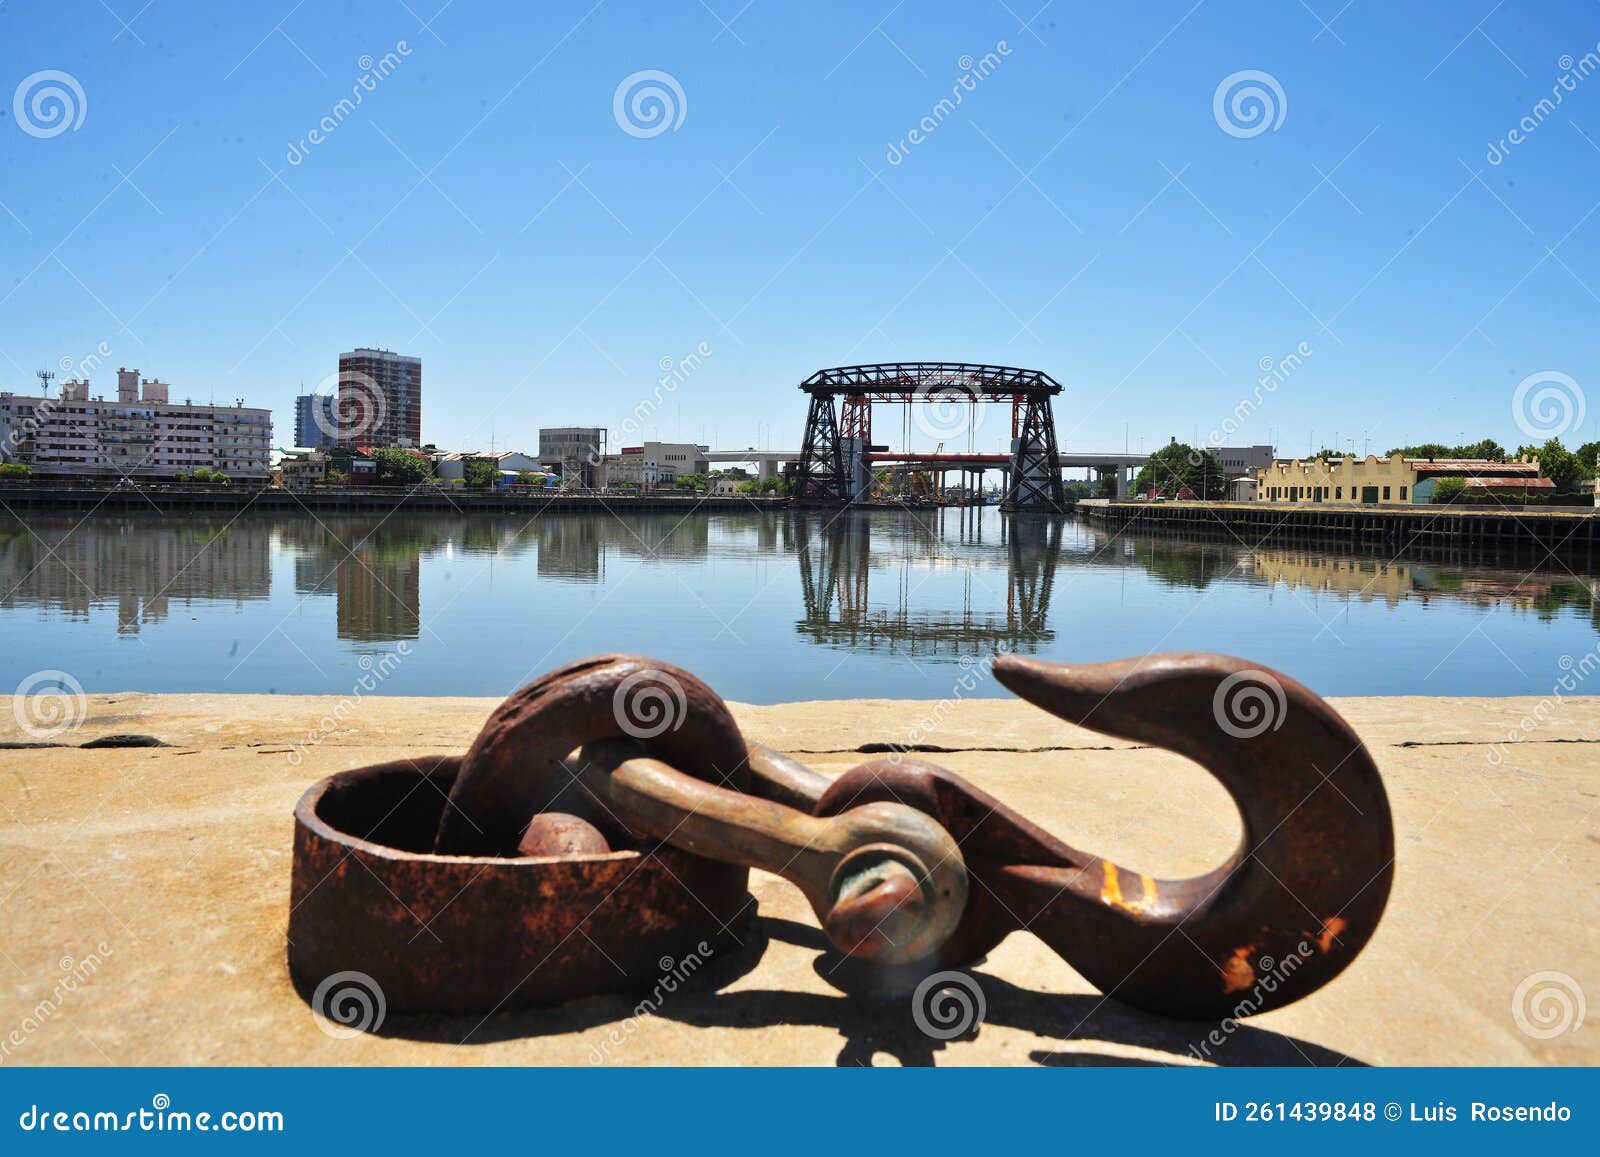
column 1082, row 210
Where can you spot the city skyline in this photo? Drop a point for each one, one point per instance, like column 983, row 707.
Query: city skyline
column 1117, row 218
column 1356, row 440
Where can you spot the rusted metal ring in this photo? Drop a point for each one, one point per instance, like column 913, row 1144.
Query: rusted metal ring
column 479, row 934
column 517, row 767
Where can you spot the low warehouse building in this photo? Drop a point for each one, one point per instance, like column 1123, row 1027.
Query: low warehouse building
column 1397, row 479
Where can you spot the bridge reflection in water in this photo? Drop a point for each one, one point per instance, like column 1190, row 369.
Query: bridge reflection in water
column 836, row 562
column 943, row 584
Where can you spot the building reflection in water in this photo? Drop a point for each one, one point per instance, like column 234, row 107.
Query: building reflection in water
column 943, row 584
column 1420, row 574
column 373, row 570
column 143, row 565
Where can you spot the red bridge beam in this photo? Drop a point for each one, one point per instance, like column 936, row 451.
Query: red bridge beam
column 942, row 459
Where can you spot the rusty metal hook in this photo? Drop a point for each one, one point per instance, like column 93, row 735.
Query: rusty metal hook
column 636, row 747
column 885, row 853
column 1287, row 912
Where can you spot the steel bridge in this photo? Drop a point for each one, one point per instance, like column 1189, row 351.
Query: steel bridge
column 837, row 452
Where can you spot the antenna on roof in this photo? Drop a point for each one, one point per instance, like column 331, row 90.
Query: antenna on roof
column 44, row 377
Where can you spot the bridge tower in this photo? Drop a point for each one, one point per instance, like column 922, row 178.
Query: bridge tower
column 821, row 476
column 1034, row 481
column 837, row 456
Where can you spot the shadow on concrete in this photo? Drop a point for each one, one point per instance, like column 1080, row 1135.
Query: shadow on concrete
column 873, row 1013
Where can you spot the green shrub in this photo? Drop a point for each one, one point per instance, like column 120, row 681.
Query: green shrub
column 401, row 466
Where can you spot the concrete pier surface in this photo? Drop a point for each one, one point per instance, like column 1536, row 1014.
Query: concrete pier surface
column 144, row 892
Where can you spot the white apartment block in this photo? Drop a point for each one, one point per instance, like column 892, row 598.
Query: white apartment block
column 143, row 434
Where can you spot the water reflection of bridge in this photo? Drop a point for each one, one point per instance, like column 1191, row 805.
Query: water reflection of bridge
column 836, row 579
column 945, row 583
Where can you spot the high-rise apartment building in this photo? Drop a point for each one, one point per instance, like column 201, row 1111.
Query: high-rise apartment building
column 316, row 420
column 380, row 399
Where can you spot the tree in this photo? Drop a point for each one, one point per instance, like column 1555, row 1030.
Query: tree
column 1177, row 465
column 1488, row 449
column 481, row 473
column 1447, row 490
column 1556, row 463
column 1586, row 455
column 15, row 471
column 402, row 467
column 1424, row 450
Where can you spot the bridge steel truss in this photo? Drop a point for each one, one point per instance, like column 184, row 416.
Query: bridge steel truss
column 836, row 440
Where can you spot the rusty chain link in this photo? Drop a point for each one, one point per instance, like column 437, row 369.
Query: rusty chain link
column 602, row 826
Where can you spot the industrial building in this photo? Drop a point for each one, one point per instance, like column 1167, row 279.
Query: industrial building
column 574, row 452
column 654, row 464
column 451, row 466
column 1237, row 460
column 142, row 434
column 1396, row 479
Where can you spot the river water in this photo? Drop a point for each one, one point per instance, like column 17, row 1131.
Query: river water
column 765, row 607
